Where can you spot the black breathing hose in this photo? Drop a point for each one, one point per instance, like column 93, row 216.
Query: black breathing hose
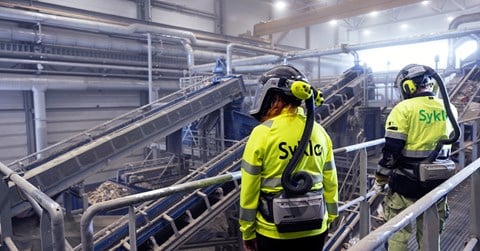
column 301, row 182
column 451, row 117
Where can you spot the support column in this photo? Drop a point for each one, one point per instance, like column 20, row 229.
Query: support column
column 40, row 118
column 364, row 205
column 149, row 58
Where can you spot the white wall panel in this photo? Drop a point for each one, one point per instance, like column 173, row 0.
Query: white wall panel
column 70, row 113
column 203, row 5
column 182, row 20
column 13, row 135
column 124, row 8
column 241, row 16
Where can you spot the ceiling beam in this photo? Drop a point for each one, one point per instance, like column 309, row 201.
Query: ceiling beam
column 339, row 11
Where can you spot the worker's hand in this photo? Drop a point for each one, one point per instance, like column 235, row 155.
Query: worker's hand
column 380, row 184
column 330, row 219
column 250, row 245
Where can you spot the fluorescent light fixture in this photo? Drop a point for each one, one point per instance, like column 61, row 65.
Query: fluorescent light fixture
column 333, row 22
column 373, row 13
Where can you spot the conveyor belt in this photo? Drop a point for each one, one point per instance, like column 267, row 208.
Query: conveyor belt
column 465, row 94
column 66, row 165
column 174, row 219
column 341, row 95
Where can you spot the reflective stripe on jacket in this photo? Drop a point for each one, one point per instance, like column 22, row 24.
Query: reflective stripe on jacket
column 421, row 122
column 267, row 152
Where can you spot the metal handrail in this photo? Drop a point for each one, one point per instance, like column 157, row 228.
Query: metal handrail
column 376, row 238
column 52, row 208
column 379, row 236
column 87, row 218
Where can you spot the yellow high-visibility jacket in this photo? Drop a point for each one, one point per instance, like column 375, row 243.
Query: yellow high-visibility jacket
column 267, row 153
column 421, row 122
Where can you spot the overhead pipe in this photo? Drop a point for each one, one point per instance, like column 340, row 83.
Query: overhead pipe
column 134, row 30
column 190, row 55
column 73, row 39
column 352, row 47
column 97, row 42
column 267, row 59
column 454, row 24
column 231, row 46
column 71, row 64
column 356, row 59
column 382, row 43
column 253, row 68
column 19, row 82
column 92, row 26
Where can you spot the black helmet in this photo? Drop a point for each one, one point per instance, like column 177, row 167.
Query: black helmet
column 414, row 76
column 282, row 79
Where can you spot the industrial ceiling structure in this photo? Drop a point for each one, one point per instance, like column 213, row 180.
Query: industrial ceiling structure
column 354, row 14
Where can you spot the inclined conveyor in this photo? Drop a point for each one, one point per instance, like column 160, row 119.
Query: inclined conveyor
column 342, row 95
column 176, row 218
column 465, row 92
column 71, row 161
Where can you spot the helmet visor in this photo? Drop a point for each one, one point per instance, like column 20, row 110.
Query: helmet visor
column 262, row 91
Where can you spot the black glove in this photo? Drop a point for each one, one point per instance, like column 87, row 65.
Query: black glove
column 250, row 245
column 381, row 182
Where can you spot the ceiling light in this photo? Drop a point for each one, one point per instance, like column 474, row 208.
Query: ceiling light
column 374, row 13
column 403, row 26
column 333, row 22
column 280, row 5
column 425, row 2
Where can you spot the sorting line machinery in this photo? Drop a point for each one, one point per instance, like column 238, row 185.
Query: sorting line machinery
column 174, row 219
column 71, row 161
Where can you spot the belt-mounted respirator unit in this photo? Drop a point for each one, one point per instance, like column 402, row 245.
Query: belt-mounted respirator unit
column 296, row 209
column 432, row 168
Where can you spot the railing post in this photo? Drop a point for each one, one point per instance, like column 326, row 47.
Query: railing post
column 364, row 206
column 461, row 153
column 475, row 206
column 5, row 214
column 474, row 139
column 431, row 229
column 132, row 228
column 46, row 231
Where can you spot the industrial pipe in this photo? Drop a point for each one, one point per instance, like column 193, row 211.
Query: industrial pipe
column 12, row 82
column 468, row 18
